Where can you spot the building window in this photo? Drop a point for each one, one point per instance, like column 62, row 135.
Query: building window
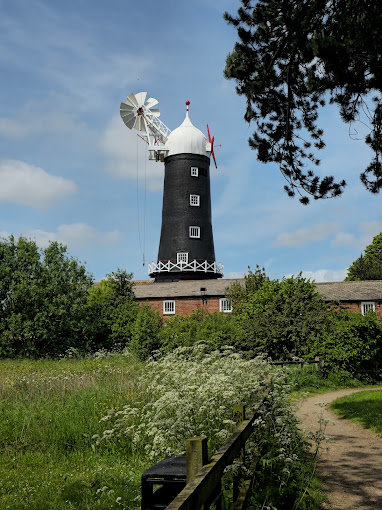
column 194, row 232
column 194, row 171
column 195, row 200
column 366, row 306
column 168, row 307
column 225, row 305
column 182, row 257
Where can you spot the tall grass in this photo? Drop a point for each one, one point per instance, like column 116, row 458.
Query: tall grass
column 49, row 411
column 78, row 433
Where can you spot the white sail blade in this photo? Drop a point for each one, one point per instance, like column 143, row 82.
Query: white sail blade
column 141, row 98
column 131, row 100
column 151, row 102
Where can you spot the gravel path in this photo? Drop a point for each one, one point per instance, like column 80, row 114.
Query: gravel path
column 351, row 468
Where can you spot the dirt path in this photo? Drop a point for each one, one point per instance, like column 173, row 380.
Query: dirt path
column 351, row 469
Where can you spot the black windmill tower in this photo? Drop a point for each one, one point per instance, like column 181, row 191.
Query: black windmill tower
column 186, row 249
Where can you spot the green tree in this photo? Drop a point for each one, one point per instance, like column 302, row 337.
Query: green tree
column 279, row 318
column 291, row 57
column 145, row 332
column 368, row 266
column 112, row 306
column 352, row 342
column 43, row 294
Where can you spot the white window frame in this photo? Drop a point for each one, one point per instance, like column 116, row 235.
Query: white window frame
column 182, row 257
column 225, row 305
column 194, row 171
column 366, row 306
column 195, row 200
column 168, row 307
column 194, row 232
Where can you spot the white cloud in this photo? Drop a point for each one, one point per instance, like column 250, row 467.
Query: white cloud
column 367, row 230
column 307, row 235
column 370, row 229
column 30, row 185
column 325, row 275
column 346, row 240
column 75, row 235
column 128, row 156
column 30, row 120
column 111, row 237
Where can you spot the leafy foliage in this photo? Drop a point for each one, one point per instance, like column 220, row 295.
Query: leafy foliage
column 352, row 341
column 145, row 332
column 369, row 266
column 214, row 329
column 113, row 309
column 43, row 294
column 279, row 318
column 292, row 56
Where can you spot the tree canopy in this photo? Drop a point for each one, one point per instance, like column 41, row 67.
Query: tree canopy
column 278, row 317
column 292, row 56
column 43, row 294
column 368, row 266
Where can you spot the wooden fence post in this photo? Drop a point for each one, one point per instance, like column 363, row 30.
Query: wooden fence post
column 238, row 413
column 238, row 417
column 318, row 366
column 196, row 455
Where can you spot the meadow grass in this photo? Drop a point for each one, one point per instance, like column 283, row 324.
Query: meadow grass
column 78, row 433
column 364, row 408
column 49, row 412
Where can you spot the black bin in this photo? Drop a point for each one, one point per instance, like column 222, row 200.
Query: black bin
column 162, row 482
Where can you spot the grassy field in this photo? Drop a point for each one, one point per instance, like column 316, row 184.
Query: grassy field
column 49, row 412
column 78, row 433
column 365, row 408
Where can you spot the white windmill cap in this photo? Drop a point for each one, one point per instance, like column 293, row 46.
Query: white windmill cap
column 187, row 139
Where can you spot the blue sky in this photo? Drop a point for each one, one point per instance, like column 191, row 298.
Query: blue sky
column 71, row 171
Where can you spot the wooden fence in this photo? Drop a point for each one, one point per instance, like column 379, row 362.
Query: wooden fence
column 204, row 476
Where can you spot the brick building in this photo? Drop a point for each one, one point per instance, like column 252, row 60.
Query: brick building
column 183, row 297
column 356, row 296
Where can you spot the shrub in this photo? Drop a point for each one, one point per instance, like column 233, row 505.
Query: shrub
column 145, row 332
column 188, row 392
column 213, row 329
column 353, row 343
column 279, row 318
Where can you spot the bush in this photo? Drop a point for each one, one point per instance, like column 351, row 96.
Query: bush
column 352, row 342
column 145, row 332
column 213, row 329
column 279, row 318
column 112, row 307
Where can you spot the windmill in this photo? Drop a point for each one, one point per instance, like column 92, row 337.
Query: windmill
column 186, row 248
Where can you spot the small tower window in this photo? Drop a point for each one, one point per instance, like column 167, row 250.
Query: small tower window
column 182, row 257
column 168, row 307
column 194, row 171
column 194, row 232
column 195, row 200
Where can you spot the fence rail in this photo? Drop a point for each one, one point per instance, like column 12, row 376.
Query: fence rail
column 204, row 484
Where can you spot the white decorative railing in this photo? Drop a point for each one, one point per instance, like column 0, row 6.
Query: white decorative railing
column 195, row 265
